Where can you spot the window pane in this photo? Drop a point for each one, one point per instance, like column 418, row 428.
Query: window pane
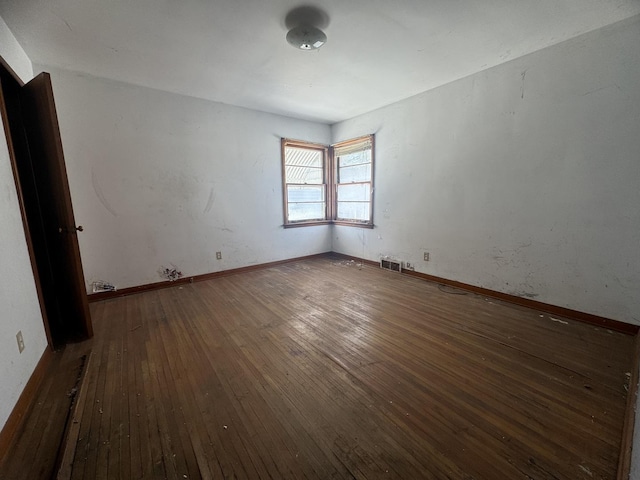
column 306, row 211
column 354, row 193
column 299, row 193
column 357, row 173
column 295, row 174
column 363, row 156
column 303, row 157
column 354, row 211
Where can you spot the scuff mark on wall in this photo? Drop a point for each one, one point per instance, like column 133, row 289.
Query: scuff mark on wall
column 522, row 294
column 509, row 256
column 210, row 201
column 224, row 227
column 386, row 211
column 54, row 13
column 506, row 54
column 261, row 160
column 98, row 190
column 615, row 85
column 522, row 75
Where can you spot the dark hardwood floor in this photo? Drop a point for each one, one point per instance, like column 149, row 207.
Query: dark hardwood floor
column 35, row 453
column 323, row 369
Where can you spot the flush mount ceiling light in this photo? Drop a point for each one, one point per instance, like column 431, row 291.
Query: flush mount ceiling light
column 306, row 37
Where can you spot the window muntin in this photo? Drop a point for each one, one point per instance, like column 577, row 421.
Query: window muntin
column 305, row 174
column 328, row 184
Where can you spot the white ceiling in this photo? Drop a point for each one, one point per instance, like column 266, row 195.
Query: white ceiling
column 234, row 51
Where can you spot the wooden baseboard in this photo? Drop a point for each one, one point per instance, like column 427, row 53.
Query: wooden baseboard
column 95, row 297
column 603, row 322
column 20, row 410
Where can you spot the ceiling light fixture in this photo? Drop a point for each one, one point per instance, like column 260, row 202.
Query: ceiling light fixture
column 306, row 37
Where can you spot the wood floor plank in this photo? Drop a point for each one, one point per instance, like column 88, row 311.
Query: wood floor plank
column 138, row 451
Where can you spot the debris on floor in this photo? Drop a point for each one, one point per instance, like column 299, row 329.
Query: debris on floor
column 586, row 470
column 102, row 286
column 170, row 273
column 347, row 263
column 558, row 320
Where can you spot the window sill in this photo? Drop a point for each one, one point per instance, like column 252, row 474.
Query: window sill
column 305, row 224
column 337, row 222
column 343, row 223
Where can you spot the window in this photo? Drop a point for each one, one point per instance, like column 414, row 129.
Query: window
column 328, row 184
column 353, row 162
column 305, row 182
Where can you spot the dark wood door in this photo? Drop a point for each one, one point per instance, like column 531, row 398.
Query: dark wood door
column 47, row 202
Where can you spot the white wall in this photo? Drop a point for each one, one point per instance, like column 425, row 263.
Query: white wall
column 524, row 178
column 19, row 306
column 13, row 53
column 159, row 179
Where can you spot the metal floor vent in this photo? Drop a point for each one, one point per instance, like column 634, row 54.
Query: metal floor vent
column 393, row 265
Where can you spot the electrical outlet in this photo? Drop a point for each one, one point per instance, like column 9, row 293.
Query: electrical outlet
column 218, row 255
column 20, row 341
column 426, row 256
